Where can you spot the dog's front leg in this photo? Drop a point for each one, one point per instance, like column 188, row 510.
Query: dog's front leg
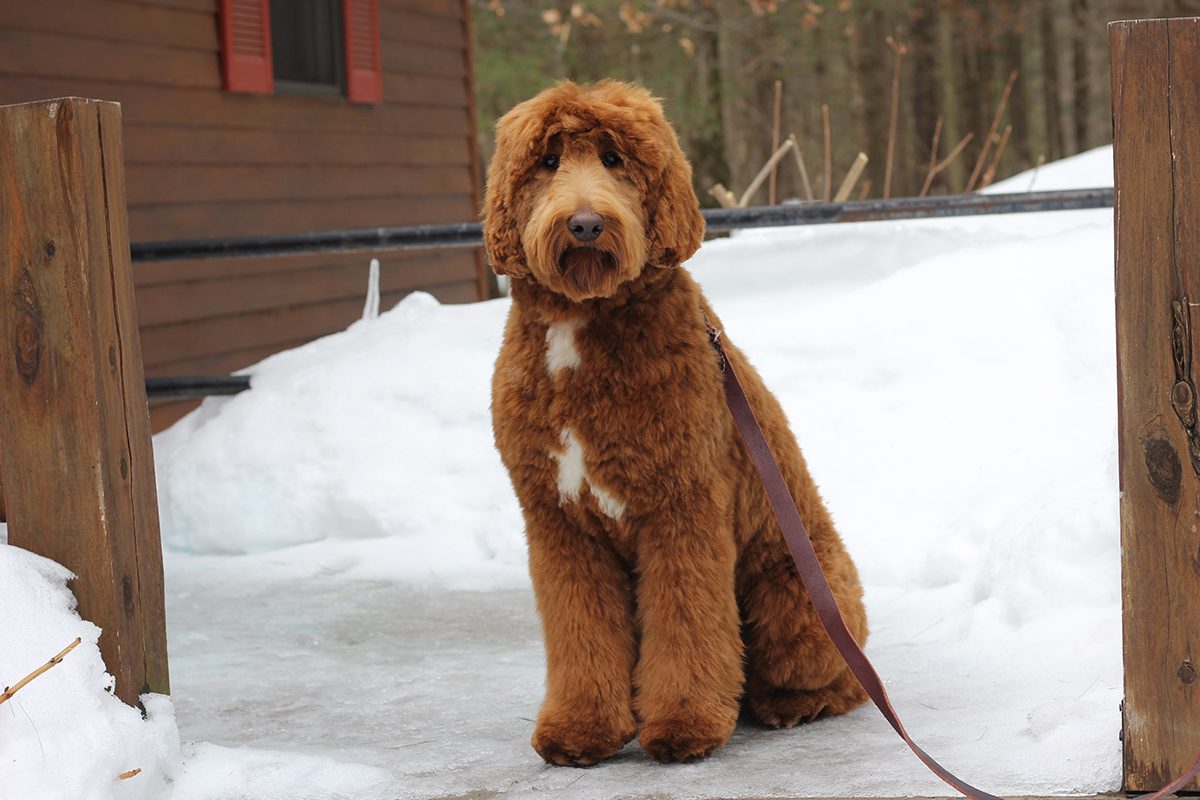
column 689, row 674
column 585, row 600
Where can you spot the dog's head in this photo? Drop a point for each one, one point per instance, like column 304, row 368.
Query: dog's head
column 588, row 185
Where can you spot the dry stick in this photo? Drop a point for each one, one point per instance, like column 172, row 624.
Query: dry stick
column 124, row 776
column 991, row 135
column 933, row 154
column 852, row 176
column 775, row 140
column 899, row 49
column 991, row 170
column 723, row 195
column 808, row 195
column 945, row 162
column 764, row 172
column 19, row 685
column 827, row 189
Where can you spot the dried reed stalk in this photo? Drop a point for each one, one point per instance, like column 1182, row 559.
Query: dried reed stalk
column 899, row 48
column 723, row 195
column 990, row 173
column 935, row 166
column 124, row 776
column 991, row 135
column 9, row 691
column 775, row 139
column 764, row 172
column 827, row 188
column 808, row 192
column 852, row 176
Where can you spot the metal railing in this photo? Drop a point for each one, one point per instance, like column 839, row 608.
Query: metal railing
column 470, row 234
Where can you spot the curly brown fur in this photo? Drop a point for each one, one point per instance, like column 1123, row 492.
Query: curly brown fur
column 666, row 593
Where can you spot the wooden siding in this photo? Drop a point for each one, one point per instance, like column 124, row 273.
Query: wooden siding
column 202, row 162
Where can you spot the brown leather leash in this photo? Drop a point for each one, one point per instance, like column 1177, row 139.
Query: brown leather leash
column 813, row 578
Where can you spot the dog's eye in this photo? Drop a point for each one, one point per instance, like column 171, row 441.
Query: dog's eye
column 550, row 161
column 610, row 159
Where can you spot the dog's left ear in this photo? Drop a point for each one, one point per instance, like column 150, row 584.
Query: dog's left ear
column 676, row 227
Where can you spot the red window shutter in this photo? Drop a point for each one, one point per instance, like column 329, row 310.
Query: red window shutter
column 364, row 68
column 246, row 46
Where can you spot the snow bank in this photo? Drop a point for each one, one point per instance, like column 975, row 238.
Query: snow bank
column 64, row 735
column 1088, row 170
column 378, row 438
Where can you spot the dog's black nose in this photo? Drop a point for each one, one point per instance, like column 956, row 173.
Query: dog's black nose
column 585, row 225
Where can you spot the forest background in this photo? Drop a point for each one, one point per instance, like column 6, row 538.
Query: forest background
column 716, row 64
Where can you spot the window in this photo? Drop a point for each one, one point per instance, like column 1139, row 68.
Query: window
column 302, row 46
column 306, row 46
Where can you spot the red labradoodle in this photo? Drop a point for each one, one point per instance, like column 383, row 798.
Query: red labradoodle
column 666, row 593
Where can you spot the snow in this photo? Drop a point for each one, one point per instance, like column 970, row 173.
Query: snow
column 1088, row 170
column 349, row 613
column 63, row 735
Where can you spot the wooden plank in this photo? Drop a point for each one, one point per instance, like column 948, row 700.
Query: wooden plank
column 184, row 107
column 184, row 185
column 53, row 56
column 432, row 8
column 3, row 516
column 248, row 219
column 401, row 25
column 207, row 299
column 187, row 340
column 1156, row 117
column 424, row 59
column 115, row 21
column 215, row 269
column 209, row 6
column 167, row 144
column 157, row 273
column 74, row 432
column 426, row 90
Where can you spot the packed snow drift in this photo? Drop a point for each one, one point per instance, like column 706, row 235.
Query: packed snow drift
column 348, row 608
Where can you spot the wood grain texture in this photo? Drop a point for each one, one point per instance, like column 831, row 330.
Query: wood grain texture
column 1156, row 118
column 74, row 432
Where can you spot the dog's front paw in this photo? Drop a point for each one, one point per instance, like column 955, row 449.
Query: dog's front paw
column 685, row 737
column 581, row 739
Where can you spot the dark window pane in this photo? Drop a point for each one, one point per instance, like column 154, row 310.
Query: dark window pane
column 306, row 41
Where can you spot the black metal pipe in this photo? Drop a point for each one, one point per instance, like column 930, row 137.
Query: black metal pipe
column 964, row 205
column 196, row 385
column 469, row 234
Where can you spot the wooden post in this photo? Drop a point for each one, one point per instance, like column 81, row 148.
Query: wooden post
column 1156, row 122
column 74, row 427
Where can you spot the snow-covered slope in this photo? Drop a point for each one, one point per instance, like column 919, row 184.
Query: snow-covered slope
column 348, row 607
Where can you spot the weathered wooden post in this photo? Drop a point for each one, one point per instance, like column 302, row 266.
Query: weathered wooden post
column 1156, row 125
column 74, row 428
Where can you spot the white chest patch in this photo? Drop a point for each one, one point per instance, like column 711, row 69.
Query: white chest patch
column 573, row 477
column 561, row 352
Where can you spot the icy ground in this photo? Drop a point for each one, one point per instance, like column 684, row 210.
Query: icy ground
column 349, row 614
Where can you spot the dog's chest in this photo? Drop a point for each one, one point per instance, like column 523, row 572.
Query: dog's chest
column 574, row 412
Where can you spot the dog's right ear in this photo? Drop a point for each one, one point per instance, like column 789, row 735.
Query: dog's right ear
column 501, row 221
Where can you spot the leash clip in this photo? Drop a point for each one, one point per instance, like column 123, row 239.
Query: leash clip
column 714, row 336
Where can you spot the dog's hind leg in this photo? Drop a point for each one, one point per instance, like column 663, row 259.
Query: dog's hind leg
column 793, row 671
column 584, row 596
